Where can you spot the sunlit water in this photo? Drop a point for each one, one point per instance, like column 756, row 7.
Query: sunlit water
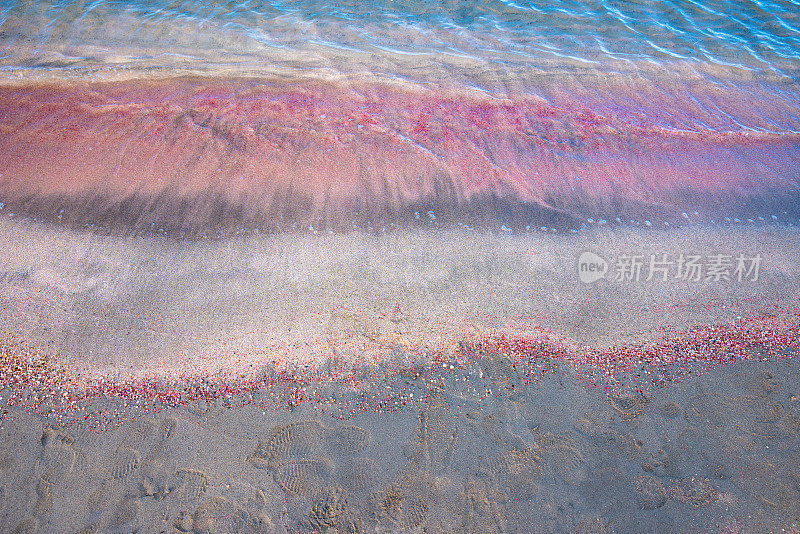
column 399, row 38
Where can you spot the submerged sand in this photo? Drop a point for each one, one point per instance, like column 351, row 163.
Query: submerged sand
column 218, row 155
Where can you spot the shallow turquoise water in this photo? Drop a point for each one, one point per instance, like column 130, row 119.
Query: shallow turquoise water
column 755, row 36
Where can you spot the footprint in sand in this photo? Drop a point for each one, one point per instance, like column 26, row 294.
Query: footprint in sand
column 346, row 439
column 303, row 477
column 297, row 440
column 57, row 457
column 305, row 440
column 125, row 462
column 55, row 465
column 222, row 515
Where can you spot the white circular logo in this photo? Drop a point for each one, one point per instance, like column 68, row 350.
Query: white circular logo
column 591, row 267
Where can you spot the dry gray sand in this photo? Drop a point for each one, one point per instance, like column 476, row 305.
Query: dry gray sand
column 716, row 453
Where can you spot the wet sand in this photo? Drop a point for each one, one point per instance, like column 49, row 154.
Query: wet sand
column 138, row 306
column 211, row 156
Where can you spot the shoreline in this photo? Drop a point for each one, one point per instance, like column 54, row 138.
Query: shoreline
column 716, row 447
column 40, row 384
column 203, row 156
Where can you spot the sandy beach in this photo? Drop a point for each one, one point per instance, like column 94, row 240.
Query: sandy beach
column 292, row 266
column 480, row 449
column 444, row 381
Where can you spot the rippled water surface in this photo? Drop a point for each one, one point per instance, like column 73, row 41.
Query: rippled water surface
column 403, row 38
